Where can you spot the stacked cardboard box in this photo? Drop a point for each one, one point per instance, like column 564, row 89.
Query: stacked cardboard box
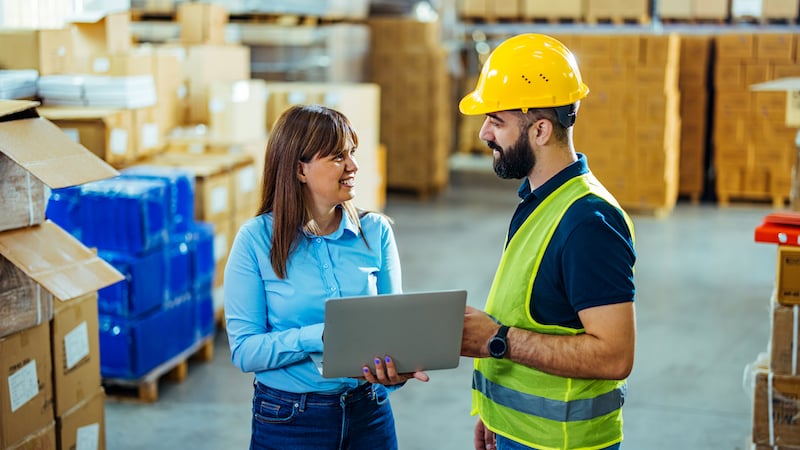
column 695, row 65
column 51, row 395
column 545, row 9
column 629, row 125
column 694, row 10
column 753, row 148
column 776, row 385
column 765, row 10
column 409, row 64
column 490, row 10
column 617, row 10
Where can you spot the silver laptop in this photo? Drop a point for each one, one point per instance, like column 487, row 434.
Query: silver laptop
column 420, row 331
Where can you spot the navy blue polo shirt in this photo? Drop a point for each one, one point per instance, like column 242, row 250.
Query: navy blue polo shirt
column 589, row 261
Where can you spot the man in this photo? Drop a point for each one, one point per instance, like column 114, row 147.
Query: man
column 556, row 343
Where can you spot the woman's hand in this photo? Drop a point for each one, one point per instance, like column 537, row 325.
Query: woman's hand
column 386, row 373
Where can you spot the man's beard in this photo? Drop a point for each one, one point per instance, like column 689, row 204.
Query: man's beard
column 515, row 162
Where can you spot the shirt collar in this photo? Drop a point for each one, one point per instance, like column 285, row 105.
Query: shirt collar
column 345, row 225
column 577, row 168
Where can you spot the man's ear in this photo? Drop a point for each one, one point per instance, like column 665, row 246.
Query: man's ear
column 541, row 131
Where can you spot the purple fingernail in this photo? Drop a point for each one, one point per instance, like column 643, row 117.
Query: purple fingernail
column 377, row 361
column 365, row 369
column 388, row 359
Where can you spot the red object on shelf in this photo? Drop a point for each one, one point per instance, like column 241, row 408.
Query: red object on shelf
column 779, row 228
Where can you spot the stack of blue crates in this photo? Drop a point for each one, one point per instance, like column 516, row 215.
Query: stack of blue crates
column 142, row 222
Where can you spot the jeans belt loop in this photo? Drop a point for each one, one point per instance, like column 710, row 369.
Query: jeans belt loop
column 302, row 402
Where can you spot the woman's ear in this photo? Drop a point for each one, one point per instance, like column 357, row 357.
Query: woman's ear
column 301, row 171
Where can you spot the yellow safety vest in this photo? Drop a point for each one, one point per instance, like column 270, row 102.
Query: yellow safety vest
column 524, row 404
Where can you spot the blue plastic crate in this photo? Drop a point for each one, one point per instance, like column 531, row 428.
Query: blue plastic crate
column 201, row 250
column 63, row 208
column 127, row 215
column 180, row 185
column 179, row 267
column 130, row 348
column 144, row 289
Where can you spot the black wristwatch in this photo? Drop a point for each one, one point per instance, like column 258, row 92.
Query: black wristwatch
column 498, row 346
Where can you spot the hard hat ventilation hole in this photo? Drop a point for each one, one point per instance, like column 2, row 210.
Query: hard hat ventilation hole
column 526, row 79
column 544, row 78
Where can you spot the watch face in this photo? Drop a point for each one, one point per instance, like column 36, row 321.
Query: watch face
column 497, row 347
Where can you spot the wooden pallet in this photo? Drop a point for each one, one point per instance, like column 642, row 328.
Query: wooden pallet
column 145, row 389
column 656, row 212
column 694, row 20
column 553, row 20
column 764, row 20
column 618, row 20
column 145, row 15
column 289, row 19
column 727, row 199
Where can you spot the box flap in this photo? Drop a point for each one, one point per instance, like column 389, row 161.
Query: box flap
column 10, row 107
column 50, row 155
column 57, row 260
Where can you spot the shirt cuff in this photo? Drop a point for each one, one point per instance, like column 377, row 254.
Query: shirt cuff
column 311, row 337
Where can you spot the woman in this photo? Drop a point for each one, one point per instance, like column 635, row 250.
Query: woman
column 309, row 243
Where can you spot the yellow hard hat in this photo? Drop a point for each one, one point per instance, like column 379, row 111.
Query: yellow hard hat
column 526, row 71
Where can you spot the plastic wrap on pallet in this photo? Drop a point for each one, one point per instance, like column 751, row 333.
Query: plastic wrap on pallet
column 179, row 268
column 126, row 215
column 180, row 192
column 350, row 9
column 204, row 312
column 63, row 208
column 130, row 348
column 201, row 253
column 144, row 288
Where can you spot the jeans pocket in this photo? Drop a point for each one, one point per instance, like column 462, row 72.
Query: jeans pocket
column 270, row 411
column 380, row 394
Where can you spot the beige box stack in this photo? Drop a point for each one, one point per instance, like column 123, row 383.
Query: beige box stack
column 693, row 82
column 617, row 10
column 361, row 103
column 694, row 10
column 753, row 148
column 49, row 349
column 409, row 63
column 776, row 395
column 764, row 11
column 629, row 125
column 552, row 11
column 490, row 10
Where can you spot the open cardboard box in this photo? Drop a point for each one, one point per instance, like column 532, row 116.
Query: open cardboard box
column 34, row 152
column 790, row 85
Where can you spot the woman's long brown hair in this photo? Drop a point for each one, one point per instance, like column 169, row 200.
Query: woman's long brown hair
column 299, row 134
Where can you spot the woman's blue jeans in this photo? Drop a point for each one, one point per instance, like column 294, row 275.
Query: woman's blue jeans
column 503, row 443
column 358, row 419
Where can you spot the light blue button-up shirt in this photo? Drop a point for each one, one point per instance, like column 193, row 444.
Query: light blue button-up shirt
column 274, row 324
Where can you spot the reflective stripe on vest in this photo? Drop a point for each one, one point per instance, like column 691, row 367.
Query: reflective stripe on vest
column 574, row 410
column 535, row 408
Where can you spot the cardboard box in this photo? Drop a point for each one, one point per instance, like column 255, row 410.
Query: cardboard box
column 788, row 275
column 47, row 51
column 43, row 439
column 783, row 345
column 237, row 110
column 76, row 352
column 24, row 303
column 206, row 64
column 56, row 260
column 776, row 409
column 26, row 386
column 96, row 32
column 202, row 23
column 106, row 132
column 84, row 425
column 51, row 159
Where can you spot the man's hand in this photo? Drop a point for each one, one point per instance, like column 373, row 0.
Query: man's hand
column 479, row 328
column 484, row 438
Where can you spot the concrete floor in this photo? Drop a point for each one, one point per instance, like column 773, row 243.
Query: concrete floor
column 703, row 290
